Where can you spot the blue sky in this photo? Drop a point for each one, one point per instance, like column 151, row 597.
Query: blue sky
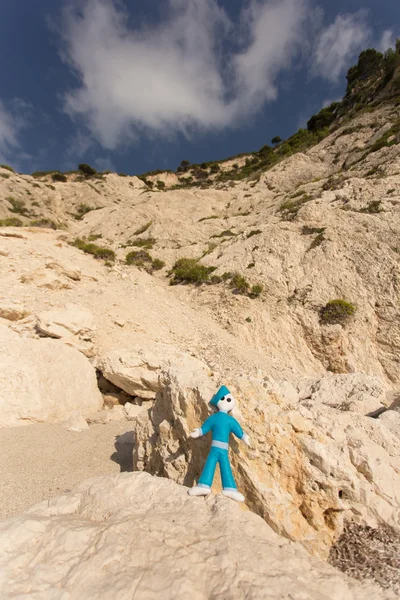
column 137, row 85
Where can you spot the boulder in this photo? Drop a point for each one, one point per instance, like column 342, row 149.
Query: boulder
column 67, row 322
column 12, row 311
column 391, row 420
column 354, row 392
column 43, row 381
column 137, row 371
column 133, row 535
column 307, row 470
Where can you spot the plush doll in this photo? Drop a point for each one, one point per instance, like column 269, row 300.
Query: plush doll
column 221, row 425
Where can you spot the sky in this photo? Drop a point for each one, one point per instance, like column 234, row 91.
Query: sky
column 136, row 85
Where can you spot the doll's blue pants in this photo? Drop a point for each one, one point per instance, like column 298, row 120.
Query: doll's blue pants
column 217, row 455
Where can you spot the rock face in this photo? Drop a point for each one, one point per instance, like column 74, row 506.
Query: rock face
column 73, row 324
column 138, row 536
column 137, row 371
column 43, row 381
column 309, row 467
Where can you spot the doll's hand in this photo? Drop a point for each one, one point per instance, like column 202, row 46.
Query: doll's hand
column 246, row 440
column 196, row 433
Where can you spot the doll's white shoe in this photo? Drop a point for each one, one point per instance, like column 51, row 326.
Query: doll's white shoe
column 234, row 495
column 198, row 490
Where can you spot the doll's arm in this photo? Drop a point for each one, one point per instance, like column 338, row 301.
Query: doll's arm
column 238, row 431
column 205, row 428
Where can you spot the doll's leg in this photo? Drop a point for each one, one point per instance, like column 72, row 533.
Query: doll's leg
column 228, row 482
column 203, row 487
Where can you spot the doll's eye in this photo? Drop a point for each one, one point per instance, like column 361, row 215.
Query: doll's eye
column 228, row 399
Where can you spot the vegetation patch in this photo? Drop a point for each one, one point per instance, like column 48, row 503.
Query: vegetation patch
column 11, row 222
column 189, row 270
column 146, row 243
column 312, row 230
column 94, row 236
column 374, row 207
column 254, row 232
column 144, row 228
column 82, row 210
column 96, row 251
column 59, row 177
column 290, row 208
column 7, row 167
column 18, row 207
column 87, row 169
column 138, row 258
column 45, row 223
column 208, row 218
column 225, row 233
column 337, row 311
column 5, row 175
column 161, row 185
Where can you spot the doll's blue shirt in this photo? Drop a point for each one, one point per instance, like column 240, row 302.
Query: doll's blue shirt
column 221, row 426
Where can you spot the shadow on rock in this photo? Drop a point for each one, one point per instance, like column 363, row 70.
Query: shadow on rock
column 123, row 454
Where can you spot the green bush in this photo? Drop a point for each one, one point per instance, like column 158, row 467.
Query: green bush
column 256, row 290
column 147, row 243
column 144, row 228
column 59, row 177
column 141, row 258
column 82, row 210
column 239, row 283
column 94, row 250
column 5, row 175
column 324, row 118
column 18, row 207
column 276, row 140
column 225, row 233
column 157, row 264
column 87, row 169
column 290, row 208
column 189, row 270
column 94, row 236
column 254, row 232
column 160, row 184
column 45, row 223
column 8, row 168
column 11, row 222
column 138, row 258
column 374, row 207
column 337, row 311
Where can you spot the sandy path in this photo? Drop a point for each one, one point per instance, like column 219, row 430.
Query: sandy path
column 41, row 461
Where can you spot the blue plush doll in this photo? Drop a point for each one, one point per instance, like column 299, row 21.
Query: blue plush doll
column 221, row 425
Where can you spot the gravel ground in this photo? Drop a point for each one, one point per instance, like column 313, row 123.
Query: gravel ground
column 366, row 553
column 41, row 461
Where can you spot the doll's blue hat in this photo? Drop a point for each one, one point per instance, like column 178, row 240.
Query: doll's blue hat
column 223, row 391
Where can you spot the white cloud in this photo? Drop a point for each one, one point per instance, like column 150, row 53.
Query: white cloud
column 11, row 122
column 105, row 164
column 339, row 44
column 388, row 40
column 329, row 101
column 178, row 75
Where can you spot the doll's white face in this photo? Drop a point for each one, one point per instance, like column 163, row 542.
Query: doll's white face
column 226, row 404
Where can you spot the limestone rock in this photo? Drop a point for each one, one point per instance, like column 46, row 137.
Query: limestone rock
column 75, row 422
column 65, row 269
column 140, row 536
column 12, row 311
column 67, row 322
column 306, row 471
column 355, row 392
column 137, row 371
column 47, row 279
column 43, row 381
column 391, row 420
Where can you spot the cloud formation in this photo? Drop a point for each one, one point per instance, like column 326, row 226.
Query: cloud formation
column 12, row 121
column 181, row 74
column 338, row 43
column 196, row 69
